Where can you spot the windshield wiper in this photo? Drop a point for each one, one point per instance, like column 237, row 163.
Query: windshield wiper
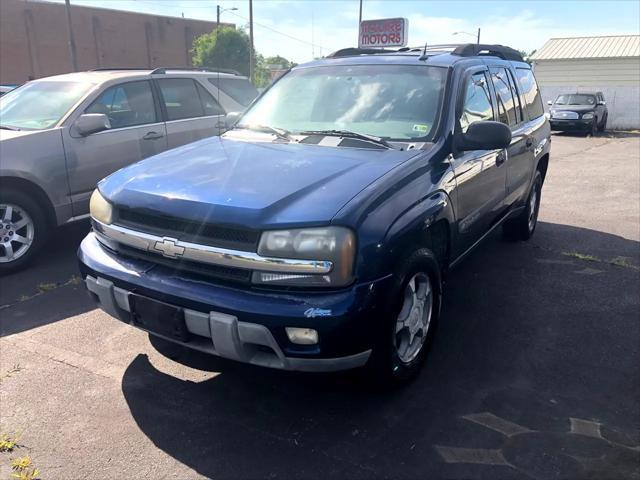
column 8, row 127
column 278, row 132
column 350, row 134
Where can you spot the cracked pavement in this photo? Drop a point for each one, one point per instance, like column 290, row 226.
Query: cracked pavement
column 533, row 375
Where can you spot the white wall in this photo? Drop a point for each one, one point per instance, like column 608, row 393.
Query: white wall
column 617, row 79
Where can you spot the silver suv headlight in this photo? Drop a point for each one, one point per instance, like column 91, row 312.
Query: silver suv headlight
column 100, row 209
column 587, row 116
column 334, row 244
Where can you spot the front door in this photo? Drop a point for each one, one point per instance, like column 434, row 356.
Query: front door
column 136, row 132
column 480, row 175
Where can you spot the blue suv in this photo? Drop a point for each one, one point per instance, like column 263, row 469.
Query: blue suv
column 315, row 234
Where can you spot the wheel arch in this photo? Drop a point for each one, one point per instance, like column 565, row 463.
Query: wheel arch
column 543, row 165
column 33, row 190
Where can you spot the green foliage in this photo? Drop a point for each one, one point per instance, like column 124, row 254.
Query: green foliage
column 226, row 48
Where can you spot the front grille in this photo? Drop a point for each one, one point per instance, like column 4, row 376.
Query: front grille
column 226, row 274
column 190, row 231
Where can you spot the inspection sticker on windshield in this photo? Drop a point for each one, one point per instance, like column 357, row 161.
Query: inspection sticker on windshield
column 421, row 128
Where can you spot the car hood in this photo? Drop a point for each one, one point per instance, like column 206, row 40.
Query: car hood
column 573, row 108
column 25, row 135
column 254, row 184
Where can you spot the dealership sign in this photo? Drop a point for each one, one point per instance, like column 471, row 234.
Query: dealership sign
column 387, row 32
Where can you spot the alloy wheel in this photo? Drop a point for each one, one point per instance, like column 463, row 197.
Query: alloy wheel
column 414, row 319
column 16, row 232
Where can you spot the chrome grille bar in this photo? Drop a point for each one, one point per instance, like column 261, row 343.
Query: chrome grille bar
column 177, row 249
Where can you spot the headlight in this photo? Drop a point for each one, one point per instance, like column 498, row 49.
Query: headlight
column 587, row 116
column 334, row 244
column 100, row 209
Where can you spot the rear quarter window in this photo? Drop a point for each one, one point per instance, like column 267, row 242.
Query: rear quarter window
column 530, row 92
column 240, row 89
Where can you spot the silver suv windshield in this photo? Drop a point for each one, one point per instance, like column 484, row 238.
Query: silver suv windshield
column 39, row 105
column 393, row 102
column 576, row 99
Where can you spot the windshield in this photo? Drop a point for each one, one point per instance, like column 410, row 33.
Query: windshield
column 39, row 105
column 394, row 102
column 241, row 90
column 576, row 99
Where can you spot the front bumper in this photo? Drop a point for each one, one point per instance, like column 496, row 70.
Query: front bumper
column 242, row 323
column 570, row 125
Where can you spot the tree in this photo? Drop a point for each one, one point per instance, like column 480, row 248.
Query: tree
column 264, row 65
column 224, row 48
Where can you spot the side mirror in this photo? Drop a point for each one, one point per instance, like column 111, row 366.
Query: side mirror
column 485, row 135
column 232, row 118
column 602, row 102
column 549, row 102
column 89, row 123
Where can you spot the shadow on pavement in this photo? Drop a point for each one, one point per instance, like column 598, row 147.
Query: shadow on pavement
column 528, row 341
column 48, row 290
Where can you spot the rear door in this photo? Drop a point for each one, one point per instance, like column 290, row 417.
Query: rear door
column 520, row 153
column 537, row 130
column 480, row 174
column 137, row 131
column 190, row 110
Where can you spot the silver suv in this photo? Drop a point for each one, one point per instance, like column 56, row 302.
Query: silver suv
column 60, row 135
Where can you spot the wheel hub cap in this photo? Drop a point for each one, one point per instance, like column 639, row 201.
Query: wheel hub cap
column 414, row 319
column 18, row 231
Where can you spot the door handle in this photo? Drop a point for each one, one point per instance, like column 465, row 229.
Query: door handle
column 501, row 158
column 152, row 136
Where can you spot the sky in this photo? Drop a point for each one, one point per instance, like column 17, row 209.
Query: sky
column 300, row 30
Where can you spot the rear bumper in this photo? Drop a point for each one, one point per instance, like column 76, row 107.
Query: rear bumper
column 571, row 125
column 242, row 323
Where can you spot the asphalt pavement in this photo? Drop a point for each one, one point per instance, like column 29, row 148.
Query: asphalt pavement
column 533, row 373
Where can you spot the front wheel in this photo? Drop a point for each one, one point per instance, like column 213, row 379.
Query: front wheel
column 602, row 127
column 407, row 330
column 524, row 225
column 23, row 228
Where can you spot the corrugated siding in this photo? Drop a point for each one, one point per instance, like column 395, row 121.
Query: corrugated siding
column 589, row 47
column 624, row 71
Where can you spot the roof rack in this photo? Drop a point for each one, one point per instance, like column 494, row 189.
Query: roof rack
column 162, row 70
column 475, row 49
column 348, row 52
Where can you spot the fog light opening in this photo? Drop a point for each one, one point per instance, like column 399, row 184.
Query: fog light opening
column 302, row 336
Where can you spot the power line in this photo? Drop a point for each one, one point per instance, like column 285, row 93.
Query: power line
column 281, row 33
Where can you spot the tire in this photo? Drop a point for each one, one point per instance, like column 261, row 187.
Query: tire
column 603, row 126
column 524, row 225
column 390, row 364
column 23, row 229
column 593, row 131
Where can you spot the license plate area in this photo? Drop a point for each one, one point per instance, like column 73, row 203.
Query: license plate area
column 158, row 317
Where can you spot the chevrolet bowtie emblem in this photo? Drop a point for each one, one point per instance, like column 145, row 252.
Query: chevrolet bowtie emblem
column 169, row 247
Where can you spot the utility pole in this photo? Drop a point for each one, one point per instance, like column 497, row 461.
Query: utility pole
column 251, row 41
column 359, row 21
column 72, row 42
column 217, row 16
column 478, row 35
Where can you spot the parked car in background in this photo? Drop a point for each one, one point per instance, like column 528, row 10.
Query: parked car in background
column 60, row 135
column 315, row 234
column 585, row 111
column 6, row 88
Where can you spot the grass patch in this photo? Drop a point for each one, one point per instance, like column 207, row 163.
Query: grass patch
column 8, row 442
column 46, row 287
column 15, row 369
column 582, row 256
column 23, row 469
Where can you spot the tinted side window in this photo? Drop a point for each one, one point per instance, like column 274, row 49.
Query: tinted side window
column 504, row 96
column 516, row 97
column 240, row 89
column 211, row 107
column 180, row 98
column 477, row 101
column 529, row 89
column 126, row 105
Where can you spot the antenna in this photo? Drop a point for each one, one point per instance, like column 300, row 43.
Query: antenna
column 423, row 57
